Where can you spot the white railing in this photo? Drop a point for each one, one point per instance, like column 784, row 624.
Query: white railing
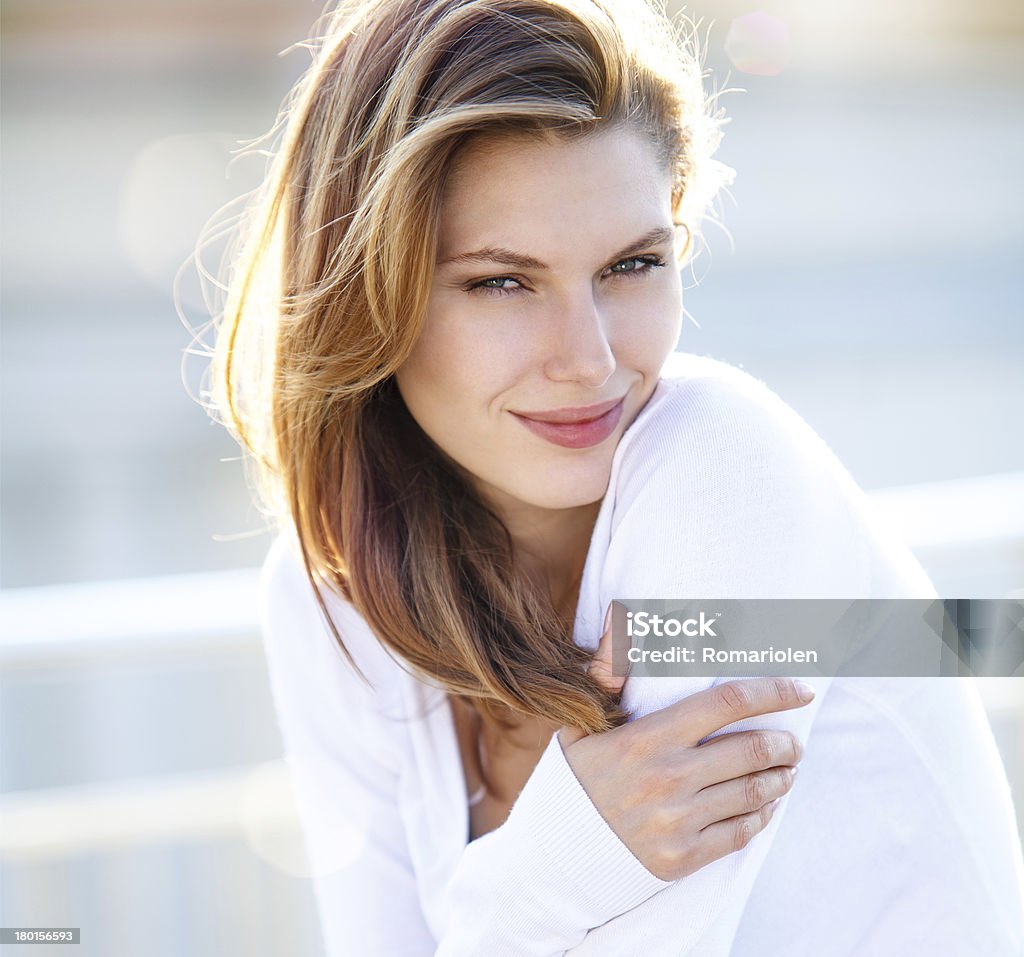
column 957, row 528
column 56, row 823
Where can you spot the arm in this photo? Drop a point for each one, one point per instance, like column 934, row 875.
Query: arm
column 535, row 886
column 344, row 759
column 724, row 492
column 525, row 889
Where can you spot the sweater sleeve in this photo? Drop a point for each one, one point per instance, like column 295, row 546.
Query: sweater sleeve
column 535, row 886
column 344, row 760
column 724, row 492
column 531, row 888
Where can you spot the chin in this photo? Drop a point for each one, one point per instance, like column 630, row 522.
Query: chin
column 566, row 494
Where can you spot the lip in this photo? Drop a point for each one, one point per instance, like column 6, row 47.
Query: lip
column 567, row 415
column 578, row 428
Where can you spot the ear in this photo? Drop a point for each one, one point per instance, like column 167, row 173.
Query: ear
column 682, row 249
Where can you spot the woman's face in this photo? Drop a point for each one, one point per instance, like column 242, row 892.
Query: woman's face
column 556, row 289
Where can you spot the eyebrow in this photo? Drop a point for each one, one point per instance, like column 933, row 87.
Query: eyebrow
column 508, row 257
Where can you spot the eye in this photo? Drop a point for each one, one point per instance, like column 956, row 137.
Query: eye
column 642, row 266
column 650, row 263
column 488, row 290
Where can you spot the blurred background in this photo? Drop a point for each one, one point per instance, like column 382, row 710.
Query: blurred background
column 870, row 275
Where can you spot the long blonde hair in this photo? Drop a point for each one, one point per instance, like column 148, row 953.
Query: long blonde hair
column 327, row 295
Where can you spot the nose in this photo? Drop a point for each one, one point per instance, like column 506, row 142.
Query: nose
column 579, row 349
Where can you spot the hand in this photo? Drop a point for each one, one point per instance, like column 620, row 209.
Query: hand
column 675, row 803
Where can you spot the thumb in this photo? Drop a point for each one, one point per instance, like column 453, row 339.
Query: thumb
column 602, row 663
column 600, row 667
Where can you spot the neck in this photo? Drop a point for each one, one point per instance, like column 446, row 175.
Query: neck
column 552, row 545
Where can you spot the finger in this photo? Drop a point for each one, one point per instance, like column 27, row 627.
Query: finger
column 741, row 795
column 692, row 719
column 733, row 834
column 604, row 662
column 568, row 734
column 600, row 666
column 736, row 753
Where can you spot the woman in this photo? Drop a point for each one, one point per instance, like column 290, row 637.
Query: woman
column 449, row 346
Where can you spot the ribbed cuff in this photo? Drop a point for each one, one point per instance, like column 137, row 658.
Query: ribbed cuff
column 536, row 886
column 556, row 811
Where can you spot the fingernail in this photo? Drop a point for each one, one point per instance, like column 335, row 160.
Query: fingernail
column 774, row 804
column 793, row 772
column 804, row 691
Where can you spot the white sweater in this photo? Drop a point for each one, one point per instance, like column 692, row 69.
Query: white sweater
column 898, row 837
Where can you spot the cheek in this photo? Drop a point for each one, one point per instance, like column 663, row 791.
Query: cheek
column 469, row 355
column 648, row 328
column 452, row 375
column 671, row 325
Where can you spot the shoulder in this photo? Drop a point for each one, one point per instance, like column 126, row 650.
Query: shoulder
column 299, row 644
column 743, row 484
column 702, row 395
column 719, row 476
column 714, row 422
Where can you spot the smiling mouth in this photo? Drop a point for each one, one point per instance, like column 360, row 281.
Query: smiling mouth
column 579, row 432
column 572, row 416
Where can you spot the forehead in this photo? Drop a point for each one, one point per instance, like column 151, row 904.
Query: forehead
column 520, row 189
